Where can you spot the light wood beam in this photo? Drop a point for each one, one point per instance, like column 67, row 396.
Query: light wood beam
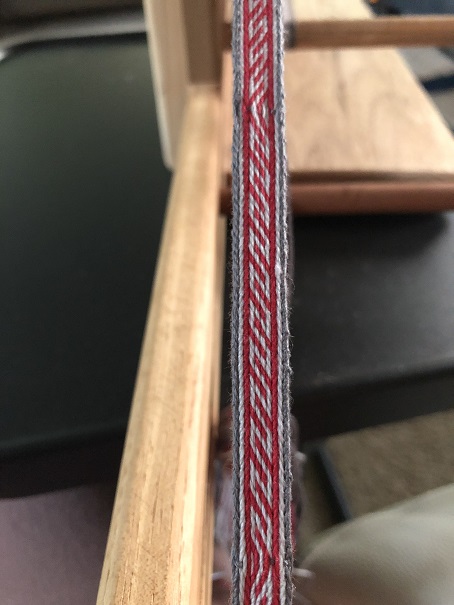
column 157, row 527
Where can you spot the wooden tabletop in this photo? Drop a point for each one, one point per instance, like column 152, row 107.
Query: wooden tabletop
column 355, row 114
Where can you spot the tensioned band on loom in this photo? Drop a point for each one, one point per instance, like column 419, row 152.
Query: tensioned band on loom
column 260, row 357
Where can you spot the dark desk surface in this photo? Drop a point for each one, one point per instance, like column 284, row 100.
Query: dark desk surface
column 82, row 196
column 372, row 321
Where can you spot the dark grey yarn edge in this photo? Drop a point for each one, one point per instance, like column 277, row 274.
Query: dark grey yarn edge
column 237, row 27
column 282, row 205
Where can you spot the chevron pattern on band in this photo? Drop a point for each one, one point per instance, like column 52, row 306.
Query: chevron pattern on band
column 262, row 550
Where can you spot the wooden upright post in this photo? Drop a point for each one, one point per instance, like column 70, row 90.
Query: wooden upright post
column 183, row 51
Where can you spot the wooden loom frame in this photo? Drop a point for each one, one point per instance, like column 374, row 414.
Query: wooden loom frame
column 161, row 537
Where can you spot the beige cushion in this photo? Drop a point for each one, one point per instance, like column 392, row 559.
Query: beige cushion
column 403, row 555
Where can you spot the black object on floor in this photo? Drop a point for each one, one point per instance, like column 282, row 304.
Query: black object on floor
column 439, row 84
column 332, row 485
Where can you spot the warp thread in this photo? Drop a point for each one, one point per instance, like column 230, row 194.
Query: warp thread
column 260, row 356
column 222, row 572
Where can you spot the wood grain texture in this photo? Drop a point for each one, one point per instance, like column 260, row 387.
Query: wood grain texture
column 372, row 197
column 384, row 31
column 202, row 47
column 170, row 69
column 183, row 50
column 157, row 525
column 325, row 10
column 364, row 197
column 355, row 113
column 208, row 543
